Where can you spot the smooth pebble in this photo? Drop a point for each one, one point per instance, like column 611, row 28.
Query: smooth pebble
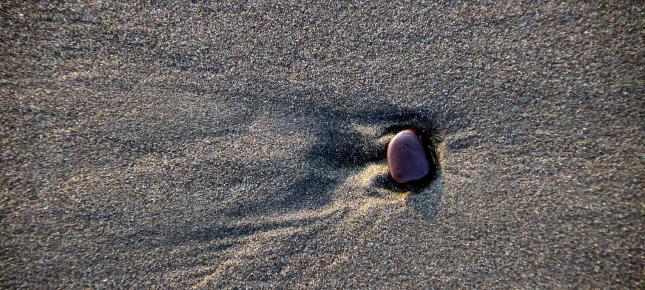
column 406, row 159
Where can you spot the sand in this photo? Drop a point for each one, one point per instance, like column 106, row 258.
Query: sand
column 218, row 145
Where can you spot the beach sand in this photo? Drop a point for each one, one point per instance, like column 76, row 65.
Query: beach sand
column 217, row 145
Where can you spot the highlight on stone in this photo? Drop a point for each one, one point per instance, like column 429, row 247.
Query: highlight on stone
column 406, row 158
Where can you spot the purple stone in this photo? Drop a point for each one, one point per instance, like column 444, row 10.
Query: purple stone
column 406, row 158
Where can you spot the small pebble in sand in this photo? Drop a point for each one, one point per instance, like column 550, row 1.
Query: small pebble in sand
column 406, row 158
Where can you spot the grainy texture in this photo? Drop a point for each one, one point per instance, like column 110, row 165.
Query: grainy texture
column 227, row 144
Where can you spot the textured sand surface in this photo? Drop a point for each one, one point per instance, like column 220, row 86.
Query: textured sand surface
column 220, row 144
